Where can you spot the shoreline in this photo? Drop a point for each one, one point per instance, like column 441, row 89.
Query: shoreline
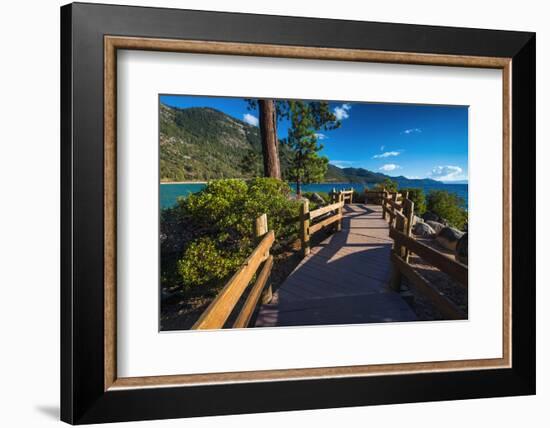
column 183, row 182
column 325, row 182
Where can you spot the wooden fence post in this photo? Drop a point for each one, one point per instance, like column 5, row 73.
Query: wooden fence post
column 395, row 283
column 340, row 211
column 351, row 196
column 333, row 195
column 260, row 229
column 409, row 213
column 260, row 226
column 394, row 198
column 304, row 227
column 384, row 199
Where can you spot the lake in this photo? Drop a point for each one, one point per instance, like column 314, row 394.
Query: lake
column 169, row 192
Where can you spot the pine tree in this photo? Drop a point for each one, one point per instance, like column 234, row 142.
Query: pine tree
column 306, row 119
column 270, row 142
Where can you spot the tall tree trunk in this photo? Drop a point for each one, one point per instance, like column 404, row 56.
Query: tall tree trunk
column 298, row 188
column 270, row 143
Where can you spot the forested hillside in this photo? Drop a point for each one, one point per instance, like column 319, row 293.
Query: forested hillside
column 200, row 144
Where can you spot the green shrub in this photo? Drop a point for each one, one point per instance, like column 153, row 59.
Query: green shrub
column 448, row 206
column 388, row 184
column 205, row 264
column 358, row 197
column 416, row 195
column 217, row 227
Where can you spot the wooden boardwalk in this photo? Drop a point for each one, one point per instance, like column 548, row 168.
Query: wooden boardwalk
column 344, row 280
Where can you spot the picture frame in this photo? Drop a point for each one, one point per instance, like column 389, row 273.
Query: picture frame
column 91, row 391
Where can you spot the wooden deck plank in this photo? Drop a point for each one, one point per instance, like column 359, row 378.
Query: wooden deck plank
column 343, row 280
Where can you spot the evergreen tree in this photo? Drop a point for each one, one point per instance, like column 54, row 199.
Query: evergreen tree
column 306, row 118
column 268, row 132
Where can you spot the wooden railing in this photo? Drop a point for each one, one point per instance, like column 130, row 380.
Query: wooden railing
column 218, row 312
column 347, row 195
column 374, row 196
column 400, row 215
column 306, row 218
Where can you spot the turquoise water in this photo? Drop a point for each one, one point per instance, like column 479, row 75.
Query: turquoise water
column 170, row 192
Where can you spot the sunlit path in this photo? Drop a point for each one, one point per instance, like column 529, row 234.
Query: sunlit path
column 344, row 280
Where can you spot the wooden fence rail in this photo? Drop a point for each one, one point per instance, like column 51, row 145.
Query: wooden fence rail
column 307, row 229
column 217, row 313
column 401, row 216
column 347, row 195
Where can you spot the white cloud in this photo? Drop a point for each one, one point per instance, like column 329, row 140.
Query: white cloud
column 413, row 177
column 321, row 136
column 447, row 172
column 250, row 119
column 389, row 167
column 387, row 154
column 412, row 131
column 342, row 112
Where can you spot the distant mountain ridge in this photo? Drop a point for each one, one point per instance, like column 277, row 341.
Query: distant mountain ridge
column 362, row 175
column 202, row 143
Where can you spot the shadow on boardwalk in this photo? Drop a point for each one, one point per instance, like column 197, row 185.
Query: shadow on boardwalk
column 343, row 281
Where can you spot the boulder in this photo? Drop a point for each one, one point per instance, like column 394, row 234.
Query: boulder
column 430, row 216
column 424, row 230
column 435, row 225
column 316, row 198
column 417, row 219
column 461, row 252
column 448, row 237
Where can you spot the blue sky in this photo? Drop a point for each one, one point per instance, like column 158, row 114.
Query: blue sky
column 417, row 141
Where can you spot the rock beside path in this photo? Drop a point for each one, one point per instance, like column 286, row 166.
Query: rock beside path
column 435, row 225
column 316, row 198
column 461, row 252
column 424, row 230
column 448, row 237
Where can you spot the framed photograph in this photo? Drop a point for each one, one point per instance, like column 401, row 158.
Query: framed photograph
column 266, row 213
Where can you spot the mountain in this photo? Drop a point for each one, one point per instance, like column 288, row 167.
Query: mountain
column 361, row 175
column 456, row 182
column 202, row 143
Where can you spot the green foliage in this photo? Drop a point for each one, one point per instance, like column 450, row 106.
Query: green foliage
column 219, row 222
column 206, row 144
column 358, row 197
column 416, row 194
column 251, row 164
column 312, row 205
column 388, row 184
column 448, row 206
column 205, row 263
column 306, row 166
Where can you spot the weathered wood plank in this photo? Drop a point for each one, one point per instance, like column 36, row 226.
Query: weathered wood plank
column 326, row 222
column 304, row 227
column 456, row 270
column 348, row 267
column 253, row 297
column 444, row 305
column 221, row 307
column 320, row 211
column 395, row 204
